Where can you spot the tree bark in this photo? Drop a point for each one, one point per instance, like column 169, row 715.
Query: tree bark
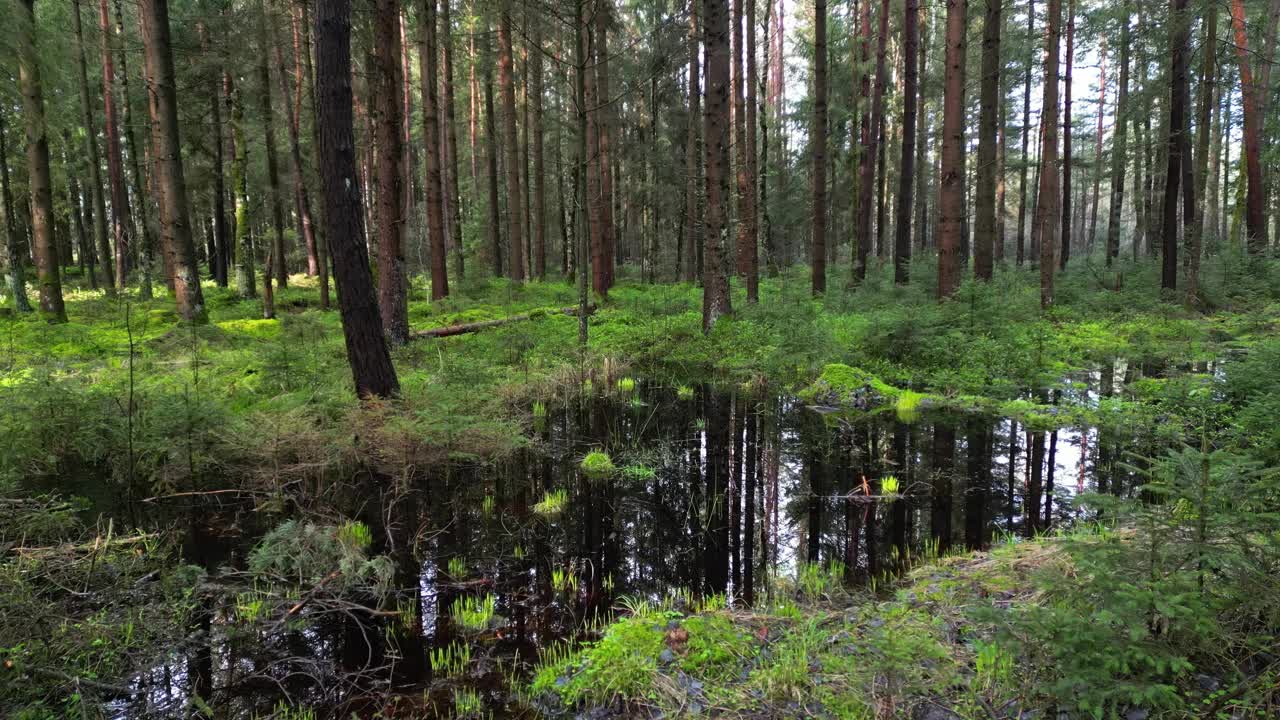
column 1097, row 150
column 217, row 260
column 1119, row 144
column 1065, row 240
column 276, row 264
column 515, row 205
column 539, row 181
column 870, row 144
column 1177, row 141
column 246, row 285
column 367, row 350
column 951, row 208
column 175, row 215
column 988, row 136
column 693, row 157
column 715, row 280
column 388, row 137
column 301, row 195
column 907, row 169
column 1255, row 199
column 818, row 257
column 1020, row 255
column 1208, row 83
column 146, row 253
column 433, row 145
column 100, row 240
column 39, row 181
column 742, row 128
column 1048, row 216
column 14, row 254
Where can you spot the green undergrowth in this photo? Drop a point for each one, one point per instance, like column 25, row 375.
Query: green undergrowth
column 964, row 635
column 242, row 392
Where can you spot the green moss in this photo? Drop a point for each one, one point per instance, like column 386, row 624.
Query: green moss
column 597, row 465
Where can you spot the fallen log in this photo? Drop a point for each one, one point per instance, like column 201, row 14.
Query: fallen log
column 464, row 328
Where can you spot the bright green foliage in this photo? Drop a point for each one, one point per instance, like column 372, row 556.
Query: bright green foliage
column 597, row 465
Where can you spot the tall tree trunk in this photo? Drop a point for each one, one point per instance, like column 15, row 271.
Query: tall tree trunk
column 753, row 170
column 219, row 255
column 693, row 156
column 715, row 279
column 1067, row 121
column 453, row 198
column 1119, row 143
column 1204, row 122
column 134, row 149
column 39, row 181
column 1048, row 216
column 594, row 197
column 743, row 155
column 1026, row 134
column 1097, row 150
column 388, row 129
column 1178, row 33
column 906, row 171
column 246, row 286
column 175, row 215
column 1255, row 200
column 100, row 240
column 604, row 113
column 870, row 143
column 301, row 196
column 988, row 136
column 277, row 256
column 367, row 350
column 431, row 140
column 951, row 208
column 515, row 204
column 494, row 224
column 80, row 213
column 15, row 256
column 539, row 162
column 770, row 245
column 818, row 257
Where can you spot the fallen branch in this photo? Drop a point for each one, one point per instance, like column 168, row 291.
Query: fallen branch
column 464, row 328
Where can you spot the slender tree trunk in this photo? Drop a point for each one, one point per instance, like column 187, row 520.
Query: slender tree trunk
column 80, row 213
column 604, row 110
column 1048, row 216
column 219, row 254
column 1177, row 141
column 1067, row 121
column 951, row 208
column 515, row 205
column 386, row 106
column 1097, row 151
column 1026, row 134
column 770, row 245
column 39, row 181
column 906, row 171
column 988, row 138
column 491, row 160
column 752, row 243
column 1119, row 143
column 453, row 198
column 361, row 325
column 100, row 240
column 715, row 279
column 277, row 256
column 539, row 160
column 818, row 257
column 301, row 195
column 14, row 254
column 1255, row 200
column 743, row 131
column 175, row 215
column 246, row 286
column 693, row 155
column 431, row 141
column 146, row 253
column 1208, row 83
column 870, row 143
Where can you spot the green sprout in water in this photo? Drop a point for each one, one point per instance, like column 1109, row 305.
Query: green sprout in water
column 889, row 485
column 355, row 534
column 457, row 568
column 451, row 660
column 597, row 465
column 539, row 409
column 486, row 506
column 908, row 406
column 474, row 613
column 684, row 392
column 552, row 503
column 466, row 703
column 626, row 385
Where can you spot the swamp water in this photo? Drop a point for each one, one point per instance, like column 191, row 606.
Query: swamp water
column 709, row 494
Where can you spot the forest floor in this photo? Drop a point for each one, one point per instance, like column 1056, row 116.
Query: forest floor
column 123, row 405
